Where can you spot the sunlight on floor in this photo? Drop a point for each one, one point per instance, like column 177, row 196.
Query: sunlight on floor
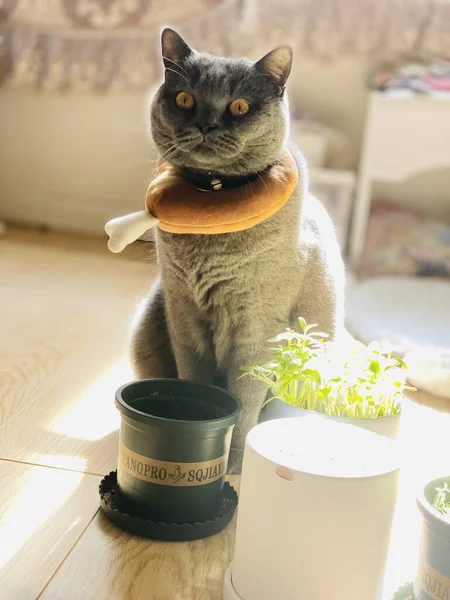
column 44, row 491
column 93, row 415
column 422, row 439
column 405, row 540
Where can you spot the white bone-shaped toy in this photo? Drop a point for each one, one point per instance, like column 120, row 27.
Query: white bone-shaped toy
column 126, row 230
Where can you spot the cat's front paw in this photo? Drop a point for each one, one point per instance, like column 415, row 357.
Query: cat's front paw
column 235, row 461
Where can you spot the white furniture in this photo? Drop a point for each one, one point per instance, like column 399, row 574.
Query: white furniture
column 405, row 134
column 317, row 500
column 335, row 189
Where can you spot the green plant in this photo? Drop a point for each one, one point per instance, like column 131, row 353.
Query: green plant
column 353, row 380
column 406, row 592
column 441, row 501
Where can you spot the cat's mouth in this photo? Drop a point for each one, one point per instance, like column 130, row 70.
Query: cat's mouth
column 203, row 148
column 205, row 156
column 194, row 150
column 219, row 147
column 218, row 143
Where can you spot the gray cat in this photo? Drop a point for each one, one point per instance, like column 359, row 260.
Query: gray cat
column 220, row 297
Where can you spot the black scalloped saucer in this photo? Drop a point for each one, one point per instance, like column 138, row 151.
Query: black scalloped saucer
column 116, row 509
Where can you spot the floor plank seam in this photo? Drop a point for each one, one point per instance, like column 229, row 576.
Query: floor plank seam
column 71, row 549
column 32, row 464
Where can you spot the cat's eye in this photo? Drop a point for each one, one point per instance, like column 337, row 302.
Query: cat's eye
column 239, row 108
column 185, row 101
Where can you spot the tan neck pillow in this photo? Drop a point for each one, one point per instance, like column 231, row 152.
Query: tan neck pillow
column 177, row 206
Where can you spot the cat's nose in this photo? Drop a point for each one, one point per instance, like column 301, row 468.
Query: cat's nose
column 206, row 127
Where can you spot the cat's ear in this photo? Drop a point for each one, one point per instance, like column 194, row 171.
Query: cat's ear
column 174, row 48
column 277, row 64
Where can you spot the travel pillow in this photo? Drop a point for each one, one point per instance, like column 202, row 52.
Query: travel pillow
column 176, row 205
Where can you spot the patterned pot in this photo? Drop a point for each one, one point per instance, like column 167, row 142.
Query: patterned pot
column 433, row 573
column 174, row 443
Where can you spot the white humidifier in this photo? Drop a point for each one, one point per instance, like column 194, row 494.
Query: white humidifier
column 316, row 507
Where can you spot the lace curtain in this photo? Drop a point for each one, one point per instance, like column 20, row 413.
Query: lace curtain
column 108, row 44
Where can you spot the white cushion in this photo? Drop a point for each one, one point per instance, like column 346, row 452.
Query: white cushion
column 413, row 314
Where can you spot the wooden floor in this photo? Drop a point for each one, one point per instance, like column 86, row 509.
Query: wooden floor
column 65, row 308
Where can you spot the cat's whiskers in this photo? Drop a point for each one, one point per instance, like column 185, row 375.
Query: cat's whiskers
column 181, row 143
column 225, row 148
column 176, row 73
column 169, row 152
column 227, row 143
column 250, row 185
column 188, row 141
column 282, row 161
column 249, row 154
column 263, row 136
column 265, row 185
column 174, row 63
column 165, row 145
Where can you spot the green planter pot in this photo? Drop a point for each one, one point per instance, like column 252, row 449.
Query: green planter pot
column 174, row 443
column 433, row 574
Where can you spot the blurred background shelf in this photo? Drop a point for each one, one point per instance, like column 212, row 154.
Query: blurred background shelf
column 405, row 135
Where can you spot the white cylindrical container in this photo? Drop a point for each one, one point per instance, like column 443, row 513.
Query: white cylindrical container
column 387, row 426
column 316, row 506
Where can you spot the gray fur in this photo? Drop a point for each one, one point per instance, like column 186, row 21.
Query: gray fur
column 220, row 297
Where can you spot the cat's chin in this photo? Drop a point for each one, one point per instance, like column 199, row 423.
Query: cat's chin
column 208, row 160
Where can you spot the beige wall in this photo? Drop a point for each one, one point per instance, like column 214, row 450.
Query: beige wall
column 73, row 161
column 335, row 94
